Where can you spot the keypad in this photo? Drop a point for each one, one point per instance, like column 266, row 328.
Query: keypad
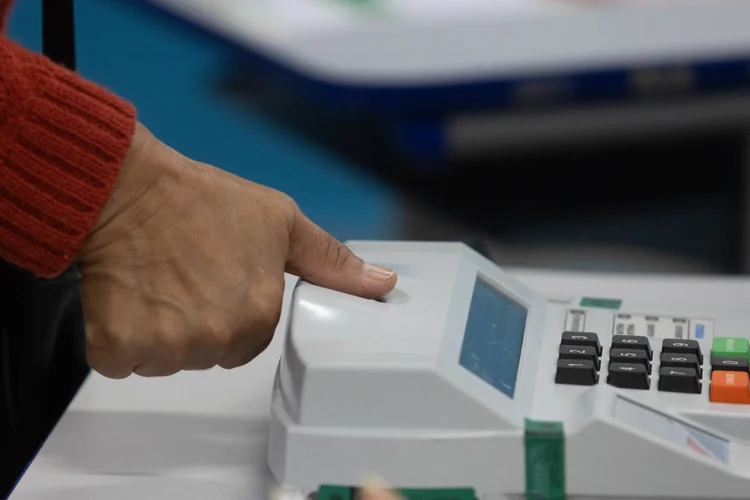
column 675, row 364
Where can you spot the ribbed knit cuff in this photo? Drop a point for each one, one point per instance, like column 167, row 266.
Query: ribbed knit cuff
column 62, row 142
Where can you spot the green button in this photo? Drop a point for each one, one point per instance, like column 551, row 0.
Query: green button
column 731, row 347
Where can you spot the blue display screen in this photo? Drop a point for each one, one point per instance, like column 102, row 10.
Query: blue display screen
column 493, row 338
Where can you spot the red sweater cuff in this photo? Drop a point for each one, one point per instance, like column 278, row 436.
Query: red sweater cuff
column 62, row 140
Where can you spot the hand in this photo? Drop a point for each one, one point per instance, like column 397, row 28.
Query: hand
column 373, row 490
column 378, row 493
column 185, row 267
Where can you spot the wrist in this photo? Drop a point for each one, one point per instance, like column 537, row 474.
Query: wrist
column 135, row 177
column 150, row 174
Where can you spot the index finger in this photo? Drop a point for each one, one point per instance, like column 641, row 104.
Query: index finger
column 319, row 258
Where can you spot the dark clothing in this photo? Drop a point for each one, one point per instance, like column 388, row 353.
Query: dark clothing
column 42, row 327
column 42, row 362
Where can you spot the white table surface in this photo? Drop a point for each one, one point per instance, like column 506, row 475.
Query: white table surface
column 202, row 435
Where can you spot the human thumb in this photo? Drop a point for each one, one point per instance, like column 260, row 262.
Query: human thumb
column 317, row 257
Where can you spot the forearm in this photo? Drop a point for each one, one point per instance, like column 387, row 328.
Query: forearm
column 62, row 141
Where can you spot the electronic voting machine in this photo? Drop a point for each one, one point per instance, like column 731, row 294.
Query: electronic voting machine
column 463, row 383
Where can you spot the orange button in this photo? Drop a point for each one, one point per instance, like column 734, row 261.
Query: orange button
column 730, row 387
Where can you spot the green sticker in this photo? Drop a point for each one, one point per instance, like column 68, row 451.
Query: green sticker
column 601, row 303
column 545, row 460
column 330, row 492
column 437, row 494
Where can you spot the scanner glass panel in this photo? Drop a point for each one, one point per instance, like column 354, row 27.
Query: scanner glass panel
column 664, row 427
column 493, row 337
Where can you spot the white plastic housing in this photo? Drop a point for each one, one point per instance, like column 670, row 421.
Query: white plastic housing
column 369, row 386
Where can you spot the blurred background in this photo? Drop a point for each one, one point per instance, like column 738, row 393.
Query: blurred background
column 637, row 163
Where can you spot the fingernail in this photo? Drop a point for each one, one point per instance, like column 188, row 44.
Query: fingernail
column 378, row 273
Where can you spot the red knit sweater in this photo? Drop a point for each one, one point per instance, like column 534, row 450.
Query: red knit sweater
column 62, row 140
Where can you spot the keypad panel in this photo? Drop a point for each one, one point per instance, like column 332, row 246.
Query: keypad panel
column 663, row 357
column 631, row 361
